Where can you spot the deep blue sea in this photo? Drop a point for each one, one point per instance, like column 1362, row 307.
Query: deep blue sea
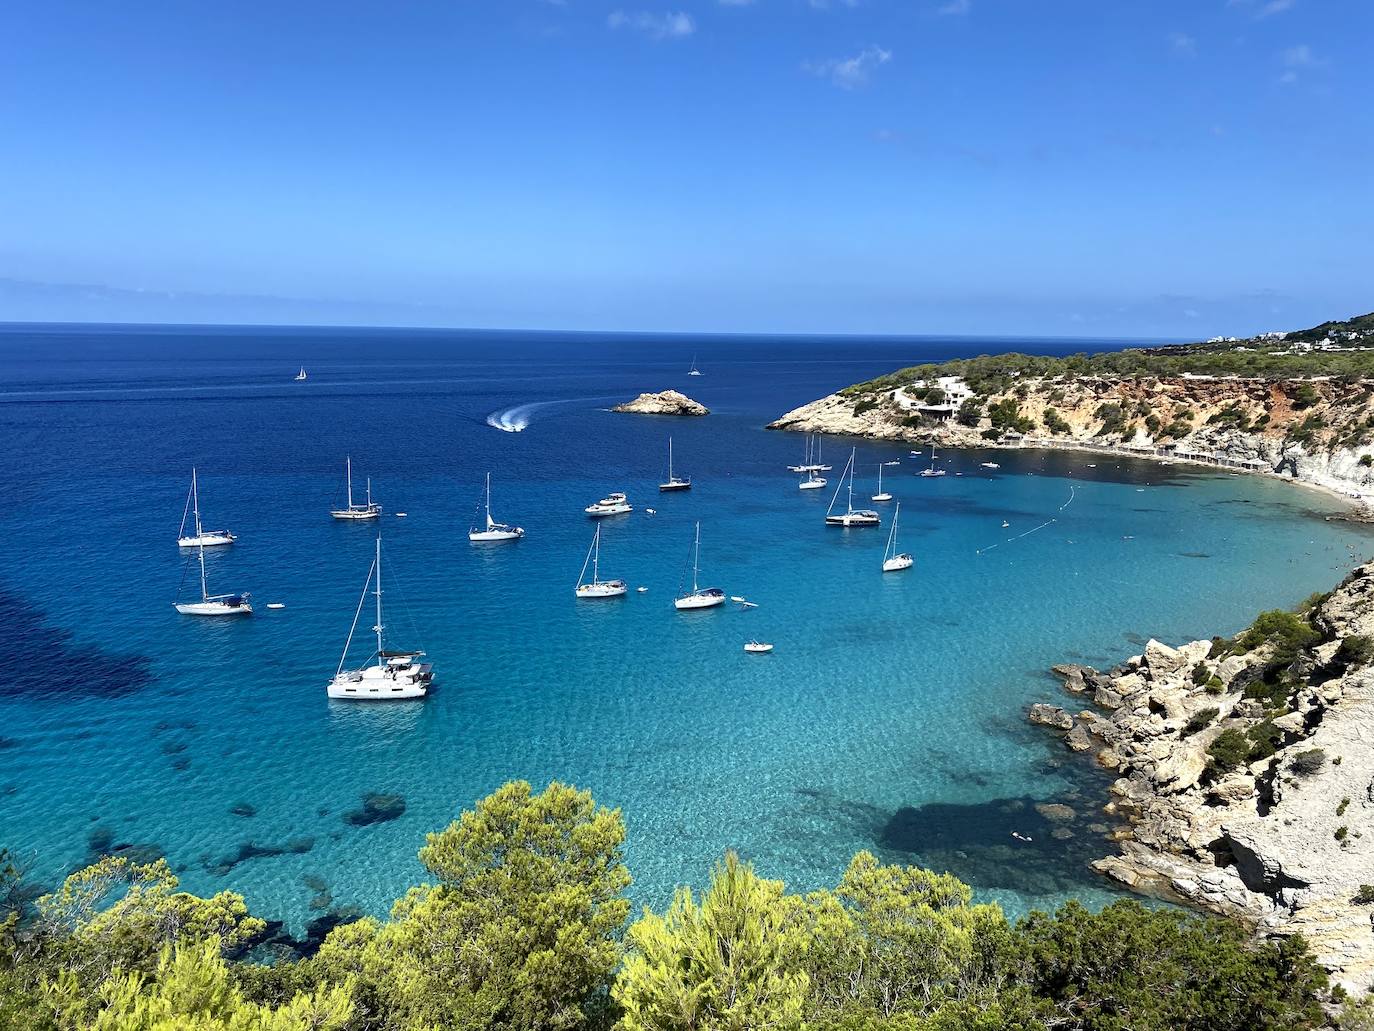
column 890, row 716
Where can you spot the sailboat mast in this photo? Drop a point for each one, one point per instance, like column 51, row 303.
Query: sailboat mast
column 488, row 501
column 852, row 455
column 369, row 492
column 348, row 464
column 596, row 555
column 670, row 459
column 204, row 592
column 195, row 500
column 380, row 661
column 696, row 559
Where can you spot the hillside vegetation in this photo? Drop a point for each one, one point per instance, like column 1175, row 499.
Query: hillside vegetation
column 522, row 927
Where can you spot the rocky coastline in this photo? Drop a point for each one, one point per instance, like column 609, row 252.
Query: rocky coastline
column 1306, row 432
column 1244, row 772
column 665, row 402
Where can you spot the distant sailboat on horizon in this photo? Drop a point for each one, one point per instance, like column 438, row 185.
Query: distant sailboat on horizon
column 695, row 371
column 301, row 376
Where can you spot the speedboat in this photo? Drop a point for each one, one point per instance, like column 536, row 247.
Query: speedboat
column 611, row 504
column 757, row 647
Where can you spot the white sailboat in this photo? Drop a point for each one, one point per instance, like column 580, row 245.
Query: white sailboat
column 810, row 469
column 699, row 597
column 300, row 376
column 893, row 561
column 695, row 371
column 201, row 538
column 932, row 471
column 369, row 510
column 611, row 504
column 881, row 495
column 494, row 531
column 396, row 675
column 597, row 587
column 212, row 604
column 674, row 482
column 851, row 516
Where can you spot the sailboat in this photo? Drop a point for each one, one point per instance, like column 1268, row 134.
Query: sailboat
column 396, row 676
column 893, row 561
column 300, row 376
column 932, row 471
column 695, row 371
column 494, row 531
column 201, row 538
column 851, row 516
column 212, row 604
column 673, row 482
column 881, row 495
column 597, row 587
column 809, row 468
column 370, row 510
column 699, row 597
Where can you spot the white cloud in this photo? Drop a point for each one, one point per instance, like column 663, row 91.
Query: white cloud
column 955, row 7
column 850, row 72
column 1295, row 59
column 1183, row 44
column 1266, row 9
column 670, row 25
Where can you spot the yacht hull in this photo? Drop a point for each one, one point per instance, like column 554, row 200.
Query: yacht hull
column 673, row 485
column 486, row 536
column 609, row 589
column 213, row 608
column 811, row 484
column 854, row 519
column 699, row 600
column 381, row 685
column 897, row 563
column 207, row 540
column 356, row 513
column 602, row 511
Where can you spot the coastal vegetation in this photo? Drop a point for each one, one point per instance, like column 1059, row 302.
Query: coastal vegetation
column 521, row 925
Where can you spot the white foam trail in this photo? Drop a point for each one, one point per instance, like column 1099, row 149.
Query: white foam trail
column 514, row 420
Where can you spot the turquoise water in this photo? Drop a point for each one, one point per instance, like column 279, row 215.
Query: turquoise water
column 889, row 717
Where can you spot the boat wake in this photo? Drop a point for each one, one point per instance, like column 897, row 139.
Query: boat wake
column 517, row 418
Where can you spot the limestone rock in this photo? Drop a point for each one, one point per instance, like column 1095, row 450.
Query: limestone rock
column 1050, row 716
column 665, row 402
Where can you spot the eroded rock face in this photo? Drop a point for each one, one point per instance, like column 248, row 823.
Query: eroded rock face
column 665, row 402
column 1283, row 841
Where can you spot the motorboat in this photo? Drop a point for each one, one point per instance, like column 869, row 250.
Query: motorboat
column 757, row 647
column 611, row 504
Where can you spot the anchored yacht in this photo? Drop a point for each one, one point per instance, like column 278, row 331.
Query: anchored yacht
column 396, row 675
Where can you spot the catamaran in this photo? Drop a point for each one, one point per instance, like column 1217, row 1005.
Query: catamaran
column 201, row 538
column 674, row 482
column 893, row 561
column 369, row 510
column 932, row 471
column 597, row 587
column 494, row 531
column 212, row 604
column 611, row 504
column 396, row 676
column 851, row 516
column 699, row 597
column 695, row 371
column 300, row 376
column 881, row 495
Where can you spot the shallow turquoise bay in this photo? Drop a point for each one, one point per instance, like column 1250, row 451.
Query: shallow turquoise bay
column 903, row 692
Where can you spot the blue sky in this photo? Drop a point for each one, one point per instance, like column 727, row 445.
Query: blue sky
column 1061, row 167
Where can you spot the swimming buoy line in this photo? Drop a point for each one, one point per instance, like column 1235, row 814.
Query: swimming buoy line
column 1047, row 522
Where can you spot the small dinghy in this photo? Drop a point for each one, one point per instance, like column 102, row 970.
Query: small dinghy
column 757, row 648
column 989, row 465
column 275, row 605
column 641, row 590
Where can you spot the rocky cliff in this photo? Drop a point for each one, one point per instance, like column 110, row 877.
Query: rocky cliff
column 665, row 402
column 1315, row 431
column 1245, row 772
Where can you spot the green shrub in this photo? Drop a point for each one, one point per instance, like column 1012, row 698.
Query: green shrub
column 1178, row 428
column 1228, row 751
column 1264, row 740
column 866, row 404
column 1345, row 804
column 1054, row 422
column 1309, row 762
column 1200, row 719
column 1201, row 674
column 1305, row 396
column 1215, row 686
column 1367, row 460
column 1356, row 650
column 970, row 412
column 1365, row 896
column 1342, row 832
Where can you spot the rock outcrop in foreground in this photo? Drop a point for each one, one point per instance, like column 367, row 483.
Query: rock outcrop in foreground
column 1245, row 772
column 665, row 402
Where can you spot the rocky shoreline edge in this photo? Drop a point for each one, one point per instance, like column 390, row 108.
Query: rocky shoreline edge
column 1244, row 772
